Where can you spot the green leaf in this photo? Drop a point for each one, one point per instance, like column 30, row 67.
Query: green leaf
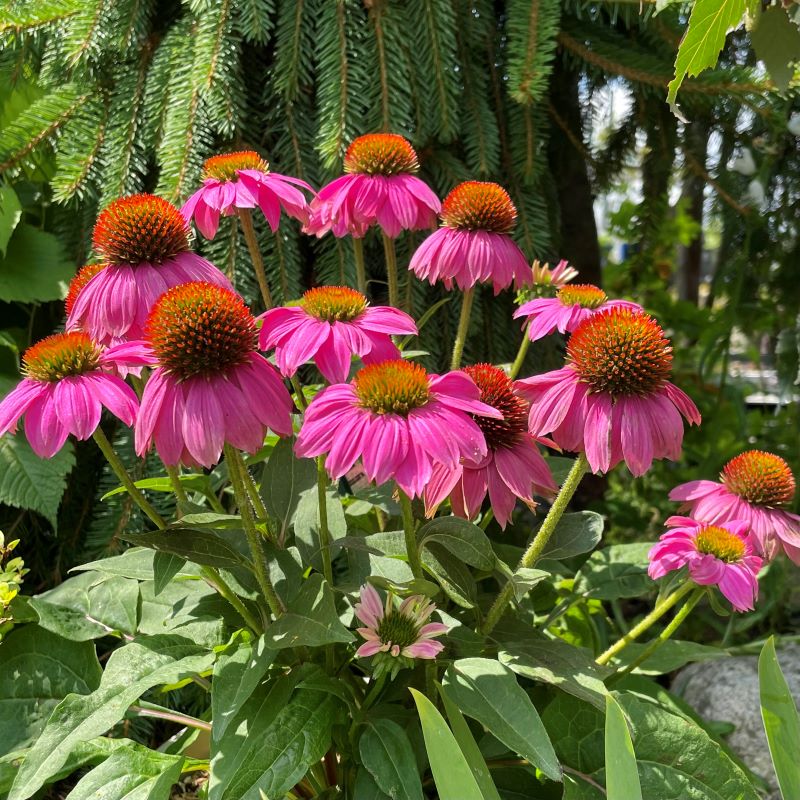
column 488, row 691
column 138, row 563
column 469, row 747
column 37, row 670
column 776, row 40
column 192, row 483
column 272, row 743
column 462, row 538
column 130, row 672
column 236, row 676
column 35, row 267
column 614, row 572
column 135, row 773
column 10, row 213
column 306, row 524
column 524, row 579
column 284, row 478
column 165, row 567
column 89, row 606
column 386, row 752
column 455, row 579
column 700, row 47
column 451, row 772
column 201, row 545
column 781, row 721
column 27, row 481
column 622, row 775
column 575, row 534
column 671, row 655
column 553, row 661
column 365, row 787
column 310, row 619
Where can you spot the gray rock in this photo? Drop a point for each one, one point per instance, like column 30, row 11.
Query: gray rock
column 727, row 691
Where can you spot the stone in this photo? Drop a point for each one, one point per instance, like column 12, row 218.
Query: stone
column 726, row 690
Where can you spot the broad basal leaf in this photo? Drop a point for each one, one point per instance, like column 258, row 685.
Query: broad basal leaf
column 622, row 775
column 614, row 572
column 131, row 670
column 37, row 671
column 35, row 267
column 284, row 478
column 386, row 752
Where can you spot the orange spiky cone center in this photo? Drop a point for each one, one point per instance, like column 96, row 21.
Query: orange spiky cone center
column 225, row 167
column 479, row 206
column 392, row 387
column 381, row 154
column 82, row 277
column 139, row 229
column 334, row 303
column 621, row 352
column 61, row 355
column 201, row 329
column 584, row 295
column 497, row 390
column 761, row 478
column 720, row 543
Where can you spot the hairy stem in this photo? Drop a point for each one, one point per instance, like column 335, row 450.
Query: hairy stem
column 536, row 547
column 236, row 468
column 218, row 583
column 637, row 630
column 391, row 270
column 410, row 531
column 246, row 218
column 361, row 271
column 521, row 353
column 126, row 480
column 463, row 328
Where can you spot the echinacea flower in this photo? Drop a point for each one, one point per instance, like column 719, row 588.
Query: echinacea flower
column 379, row 188
column 144, row 243
column 558, row 276
column 68, row 379
column 400, row 633
column 715, row 555
column 755, row 486
column 234, row 181
column 613, row 400
column 474, row 243
column 512, row 469
column 331, row 324
column 399, row 420
column 79, row 280
column 564, row 312
column 210, row 386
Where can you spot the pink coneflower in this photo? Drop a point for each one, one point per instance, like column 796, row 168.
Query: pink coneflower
column 716, row 555
column 399, row 420
column 79, row 280
column 68, row 379
column 474, row 245
column 401, row 633
column 512, row 468
column 564, row 312
column 558, row 276
column 243, row 180
column 210, row 386
column 755, row 486
column 331, row 324
column 380, row 188
column 144, row 242
column 613, row 399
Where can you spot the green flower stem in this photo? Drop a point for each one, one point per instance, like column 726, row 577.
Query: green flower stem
column 410, row 530
column 637, row 630
column 391, row 270
column 218, row 583
column 253, row 493
column 521, row 353
column 175, row 480
column 361, row 272
column 237, row 469
column 126, row 480
column 463, row 327
column 325, row 541
column 536, row 548
column 246, row 218
column 677, row 620
column 375, row 689
column 298, row 391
